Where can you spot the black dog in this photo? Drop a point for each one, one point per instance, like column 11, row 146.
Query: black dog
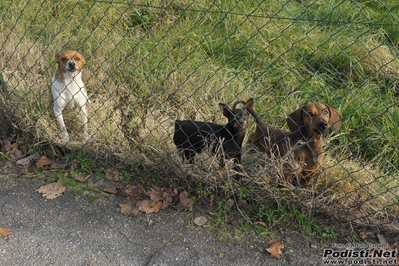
column 192, row 137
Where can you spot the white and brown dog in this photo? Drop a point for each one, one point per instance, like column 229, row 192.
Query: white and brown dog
column 68, row 89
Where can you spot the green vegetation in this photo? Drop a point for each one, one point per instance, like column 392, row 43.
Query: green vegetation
column 151, row 63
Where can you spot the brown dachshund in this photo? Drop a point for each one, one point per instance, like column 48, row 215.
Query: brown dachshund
column 307, row 124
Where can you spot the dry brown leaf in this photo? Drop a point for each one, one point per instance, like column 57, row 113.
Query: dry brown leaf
column 207, row 201
column 148, row 206
column 5, row 145
column 155, row 194
column 229, row 204
column 382, row 240
column 169, row 192
column 17, row 151
column 8, row 165
column 43, row 162
column 135, row 211
column 126, row 206
column 275, row 249
column 394, row 245
column 17, row 154
column 169, row 197
column 185, row 201
column 81, row 178
column 200, row 220
column 4, row 232
column 242, row 204
column 52, row 190
column 59, row 163
column 112, row 174
column 72, row 166
column 162, row 194
column 111, row 190
column 136, row 191
column 28, row 160
column 366, row 233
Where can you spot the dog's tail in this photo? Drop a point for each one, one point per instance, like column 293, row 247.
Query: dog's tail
column 258, row 120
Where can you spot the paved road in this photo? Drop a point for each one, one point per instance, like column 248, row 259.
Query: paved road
column 72, row 231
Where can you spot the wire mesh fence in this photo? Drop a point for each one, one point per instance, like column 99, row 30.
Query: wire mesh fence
column 149, row 63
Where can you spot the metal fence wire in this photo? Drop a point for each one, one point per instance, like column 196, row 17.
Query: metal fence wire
column 149, row 63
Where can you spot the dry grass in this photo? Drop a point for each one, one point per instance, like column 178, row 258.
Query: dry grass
column 344, row 189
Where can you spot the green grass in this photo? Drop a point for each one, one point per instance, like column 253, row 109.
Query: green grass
column 151, row 63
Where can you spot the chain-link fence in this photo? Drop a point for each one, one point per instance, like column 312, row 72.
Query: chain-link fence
column 149, row 63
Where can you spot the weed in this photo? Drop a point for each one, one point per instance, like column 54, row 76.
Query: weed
column 124, row 177
column 323, row 233
column 306, row 226
column 5, row 155
column 84, row 162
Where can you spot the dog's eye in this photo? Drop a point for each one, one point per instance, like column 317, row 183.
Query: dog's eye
column 312, row 114
column 77, row 59
column 63, row 59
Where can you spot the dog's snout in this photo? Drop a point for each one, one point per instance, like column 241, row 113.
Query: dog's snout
column 323, row 123
column 242, row 122
column 71, row 64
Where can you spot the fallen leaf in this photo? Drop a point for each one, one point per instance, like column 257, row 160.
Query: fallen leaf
column 395, row 244
column 8, row 165
column 275, row 249
column 206, row 201
column 185, row 201
column 200, row 220
column 169, row 197
column 136, row 191
column 111, row 190
column 382, row 240
column 5, row 145
column 148, row 206
column 4, row 232
column 135, row 211
column 126, row 206
column 155, row 194
column 112, row 174
column 81, row 178
column 242, row 204
column 52, row 190
column 27, row 160
column 17, row 151
column 59, row 163
column 229, row 204
column 366, row 234
column 72, row 166
column 162, row 194
column 43, row 162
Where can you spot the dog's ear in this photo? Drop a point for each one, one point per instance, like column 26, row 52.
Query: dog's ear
column 294, row 120
column 83, row 60
column 335, row 118
column 225, row 109
column 249, row 104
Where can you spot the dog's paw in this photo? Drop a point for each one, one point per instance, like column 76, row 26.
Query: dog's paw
column 64, row 137
column 87, row 137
